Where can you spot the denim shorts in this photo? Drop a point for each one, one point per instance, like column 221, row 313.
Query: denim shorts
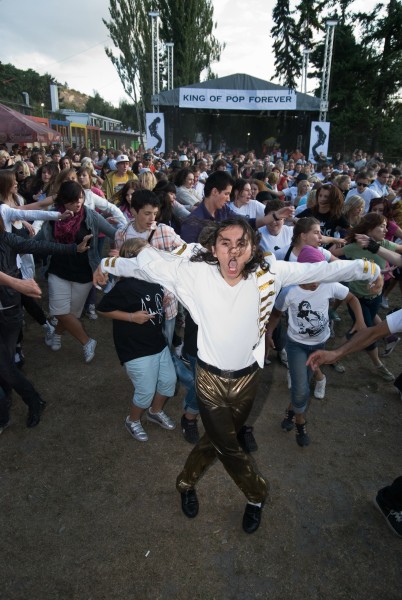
column 151, row 374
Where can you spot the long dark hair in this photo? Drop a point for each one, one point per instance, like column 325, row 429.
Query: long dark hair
column 69, row 192
column 387, row 206
column 366, row 224
column 335, row 198
column 209, row 236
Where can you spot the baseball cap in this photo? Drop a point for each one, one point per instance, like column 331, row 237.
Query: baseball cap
column 122, row 158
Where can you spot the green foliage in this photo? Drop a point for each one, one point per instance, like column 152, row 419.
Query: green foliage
column 186, row 23
column 131, row 35
column 286, row 44
column 366, row 73
column 189, row 25
column 14, row 81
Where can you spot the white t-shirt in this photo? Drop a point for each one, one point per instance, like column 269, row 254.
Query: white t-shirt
column 271, row 243
column 394, row 321
column 251, row 210
column 308, row 311
column 281, row 253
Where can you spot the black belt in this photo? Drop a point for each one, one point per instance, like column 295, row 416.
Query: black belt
column 228, row 374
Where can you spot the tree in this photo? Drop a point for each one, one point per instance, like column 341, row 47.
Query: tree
column 349, row 100
column 366, row 74
column 189, row 25
column 286, row 44
column 130, row 33
column 96, row 104
column 186, row 23
column 291, row 36
column 382, row 34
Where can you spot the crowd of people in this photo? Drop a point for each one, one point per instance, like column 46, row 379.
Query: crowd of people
column 253, row 251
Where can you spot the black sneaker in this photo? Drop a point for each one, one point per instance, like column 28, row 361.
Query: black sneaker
column 246, row 439
column 189, row 428
column 301, row 434
column 19, row 357
column 287, row 423
column 392, row 517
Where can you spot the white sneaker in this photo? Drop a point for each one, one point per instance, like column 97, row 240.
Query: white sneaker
column 384, row 302
column 283, row 357
column 89, row 350
column 91, row 312
column 161, row 419
column 49, row 331
column 55, row 342
column 136, row 430
column 319, row 390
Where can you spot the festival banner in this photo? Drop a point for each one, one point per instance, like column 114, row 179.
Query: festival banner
column 319, row 138
column 237, row 99
column 155, row 127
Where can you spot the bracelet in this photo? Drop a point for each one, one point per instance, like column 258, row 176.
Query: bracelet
column 275, row 217
column 373, row 246
column 131, row 317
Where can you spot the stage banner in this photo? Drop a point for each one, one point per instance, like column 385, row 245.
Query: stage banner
column 155, row 125
column 319, row 138
column 237, row 99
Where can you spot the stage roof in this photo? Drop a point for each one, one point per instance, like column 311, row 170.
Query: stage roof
column 241, row 81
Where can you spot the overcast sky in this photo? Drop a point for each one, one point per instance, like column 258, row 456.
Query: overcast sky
column 67, row 39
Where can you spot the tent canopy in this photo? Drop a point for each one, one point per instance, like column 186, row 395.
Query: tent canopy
column 240, row 81
column 18, row 128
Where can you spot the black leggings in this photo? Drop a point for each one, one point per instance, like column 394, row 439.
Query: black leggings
column 10, row 376
column 34, row 310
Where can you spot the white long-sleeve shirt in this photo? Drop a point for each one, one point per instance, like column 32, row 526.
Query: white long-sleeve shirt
column 15, row 215
column 94, row 201
column 231, row 319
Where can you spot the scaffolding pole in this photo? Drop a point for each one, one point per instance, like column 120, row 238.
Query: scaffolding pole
column 326, row 71
column 155, row 60
column 169, row 51
column 306, row 54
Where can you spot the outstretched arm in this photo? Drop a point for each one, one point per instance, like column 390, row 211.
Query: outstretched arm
column 360, row 340
column 29, row 287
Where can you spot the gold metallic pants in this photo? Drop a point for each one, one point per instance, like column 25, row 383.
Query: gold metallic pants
column 224, row 406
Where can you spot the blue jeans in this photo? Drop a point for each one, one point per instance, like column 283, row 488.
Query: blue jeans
column 300, row 375
column 168, row 330
column 186, row 376
column 370, row 308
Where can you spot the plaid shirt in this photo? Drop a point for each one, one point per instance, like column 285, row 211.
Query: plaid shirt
column 164, row 238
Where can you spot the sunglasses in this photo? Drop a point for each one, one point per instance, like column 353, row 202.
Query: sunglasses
column 20, row 172
column 362, row 184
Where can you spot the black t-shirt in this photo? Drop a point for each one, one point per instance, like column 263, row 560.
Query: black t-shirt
column 328, row 224
column 133, row 340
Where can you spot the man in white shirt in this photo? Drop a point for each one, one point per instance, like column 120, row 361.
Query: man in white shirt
column 379, row 185
column 228, row 287
column 362, row 189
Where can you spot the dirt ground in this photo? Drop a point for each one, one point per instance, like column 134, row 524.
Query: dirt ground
column 88, row 513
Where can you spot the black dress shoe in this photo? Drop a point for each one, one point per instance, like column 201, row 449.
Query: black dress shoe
column 33, row 418
column 252, row 518
column 189, row 503
column 34, row 414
